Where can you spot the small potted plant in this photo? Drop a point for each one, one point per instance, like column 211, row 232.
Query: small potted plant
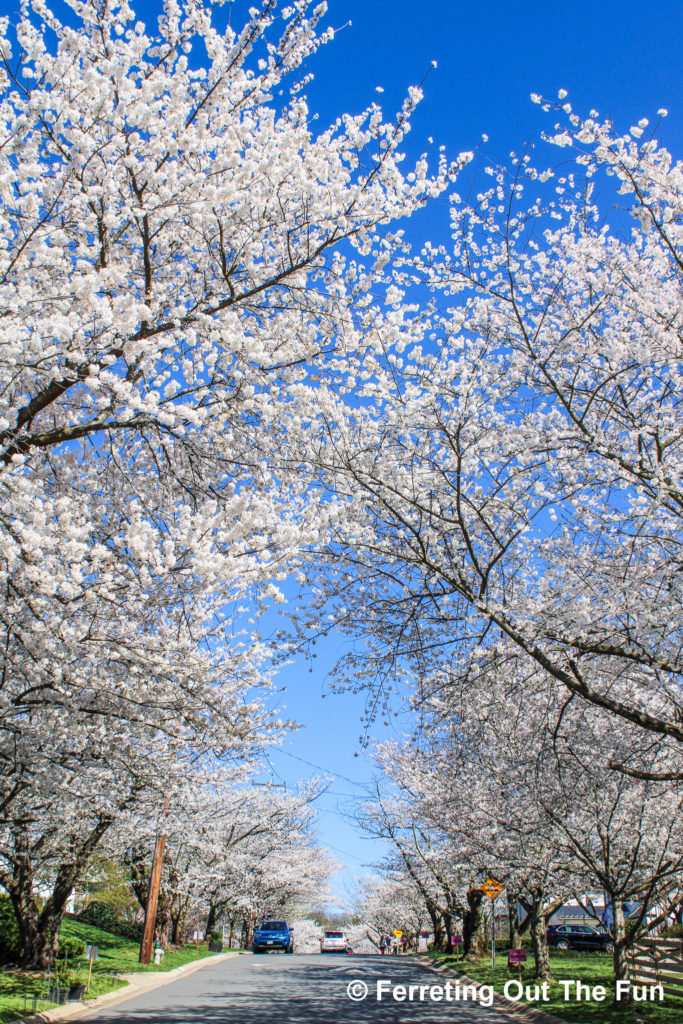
column 60, row 982
column 76, row 988
column 215, row 942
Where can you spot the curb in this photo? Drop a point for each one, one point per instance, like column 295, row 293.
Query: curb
column 138, row 983
column 518, row 1011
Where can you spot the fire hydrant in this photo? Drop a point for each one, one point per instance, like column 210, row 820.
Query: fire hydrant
column 158, row 952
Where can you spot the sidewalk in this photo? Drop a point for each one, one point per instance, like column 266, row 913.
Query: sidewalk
column 138, row 984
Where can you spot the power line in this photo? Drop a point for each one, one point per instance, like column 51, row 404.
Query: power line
column 328, row 771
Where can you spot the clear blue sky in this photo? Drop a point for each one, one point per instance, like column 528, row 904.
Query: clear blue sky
column 619, row 56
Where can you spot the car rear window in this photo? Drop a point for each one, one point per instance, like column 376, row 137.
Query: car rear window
column 334, row 935
column 274, row 926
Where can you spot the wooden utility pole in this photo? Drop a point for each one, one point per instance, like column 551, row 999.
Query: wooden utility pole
column 153, row 895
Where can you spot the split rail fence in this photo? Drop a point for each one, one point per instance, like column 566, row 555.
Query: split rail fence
column 658, row 962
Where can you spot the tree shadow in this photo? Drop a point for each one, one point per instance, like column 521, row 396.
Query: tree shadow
column 295, row 990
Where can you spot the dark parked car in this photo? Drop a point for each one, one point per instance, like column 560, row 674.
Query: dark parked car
column 273, row 935
column 578, row 936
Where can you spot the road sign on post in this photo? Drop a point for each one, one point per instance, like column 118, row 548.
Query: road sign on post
column 492, row 889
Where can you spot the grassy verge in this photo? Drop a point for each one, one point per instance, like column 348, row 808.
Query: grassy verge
column 589, row 969
column 120, row 956
column 116, row 956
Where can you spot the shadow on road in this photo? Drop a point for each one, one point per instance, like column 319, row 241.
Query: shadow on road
column 296, row 990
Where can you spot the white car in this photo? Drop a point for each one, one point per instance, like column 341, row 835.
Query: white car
column 333, row 942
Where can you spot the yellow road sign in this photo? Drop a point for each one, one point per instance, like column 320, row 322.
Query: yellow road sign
column 492, row 888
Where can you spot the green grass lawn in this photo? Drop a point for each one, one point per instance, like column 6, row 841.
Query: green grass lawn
column 592, row 969
column 116, row 956
column 120, row 956
column 17, row 989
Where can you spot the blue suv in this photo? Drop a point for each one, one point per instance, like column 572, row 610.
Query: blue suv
column 273, row 935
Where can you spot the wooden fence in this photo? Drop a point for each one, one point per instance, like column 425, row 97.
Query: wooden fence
column 658, row 962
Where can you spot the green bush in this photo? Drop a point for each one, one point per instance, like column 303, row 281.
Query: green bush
column 129, row 930
column 102, row 915
column 71, row 947
column 216, row 936
column 674, row 931
column 11, row 946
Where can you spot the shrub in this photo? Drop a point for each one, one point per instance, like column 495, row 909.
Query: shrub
column 71, row 948
column 674, row 931
column 216, row 936
column 11, row 946
column 102, row 915
column 129, row 929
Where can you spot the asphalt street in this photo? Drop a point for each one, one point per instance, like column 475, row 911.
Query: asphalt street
column 282, row 989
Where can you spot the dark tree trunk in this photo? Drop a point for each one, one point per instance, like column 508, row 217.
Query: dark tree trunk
column 39, row 929
column 40, row 938
column 178, row 915
column 513, row 922
column 211, row 919
column 163, row 924
column 136, row 860
column 538, row 924
column 474, row 928
column 448, row 925
column 139, row 861
column 435, row 918
column 619, row 960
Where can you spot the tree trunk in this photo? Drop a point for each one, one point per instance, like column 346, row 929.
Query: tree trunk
column 435, row 918
column 163, row 925
column 621, row 971
column 178, row 921
column 474, row 927
column 138, row 859
column 539, row 924
column 514, row 935
column 40, row 938
column 448, row 924
column 211, row 919
column 39, row 929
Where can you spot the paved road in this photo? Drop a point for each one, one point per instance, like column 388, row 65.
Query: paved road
column 280, row 989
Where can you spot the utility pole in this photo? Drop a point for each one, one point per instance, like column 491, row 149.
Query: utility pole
column 153, row 895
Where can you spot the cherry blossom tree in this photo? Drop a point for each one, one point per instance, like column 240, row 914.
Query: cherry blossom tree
column 423, row 856
column 214, row 825
column 510, row 778
column 387, row 902
column 516, row 475
column 471, row 815
column 623, row 833
column 171, row 274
